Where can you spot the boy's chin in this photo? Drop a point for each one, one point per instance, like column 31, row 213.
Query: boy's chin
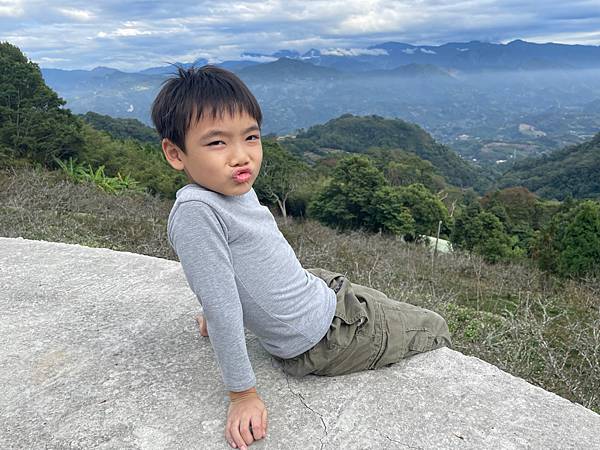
column 242, row 189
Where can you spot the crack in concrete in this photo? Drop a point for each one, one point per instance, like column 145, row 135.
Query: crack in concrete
column 398, row 442
column 299, row 395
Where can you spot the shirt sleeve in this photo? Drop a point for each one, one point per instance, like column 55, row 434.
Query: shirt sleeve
column 200, row 241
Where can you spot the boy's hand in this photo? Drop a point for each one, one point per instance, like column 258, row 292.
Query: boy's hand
column 202, row 325
column 246, row 419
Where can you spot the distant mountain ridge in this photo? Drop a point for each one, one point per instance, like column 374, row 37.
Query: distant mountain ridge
column 288, row 68
column 465, row 56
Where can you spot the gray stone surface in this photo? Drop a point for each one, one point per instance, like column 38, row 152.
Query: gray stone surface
column 99, row 349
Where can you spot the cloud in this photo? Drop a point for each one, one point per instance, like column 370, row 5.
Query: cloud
column 257, row 58
column 135, row 35
column 353, row 51
column 11, row 8
column 124, row 32
column 81, row 15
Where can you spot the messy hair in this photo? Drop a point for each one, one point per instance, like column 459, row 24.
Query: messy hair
column 194, row 93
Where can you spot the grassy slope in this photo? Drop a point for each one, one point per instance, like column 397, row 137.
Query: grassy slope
column 535, row 327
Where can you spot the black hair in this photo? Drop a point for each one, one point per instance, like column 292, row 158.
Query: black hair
column 199, row 92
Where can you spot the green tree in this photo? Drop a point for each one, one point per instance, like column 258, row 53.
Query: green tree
column 33, row 123
column 347, row 200
column 402, row 168
column 491, row 240
column 579, row 244
column 462, row 233
column 358, row 196
column 389, row 213
column 425, row 208
column 483, row 233
column 281, row 175
column 546, row 247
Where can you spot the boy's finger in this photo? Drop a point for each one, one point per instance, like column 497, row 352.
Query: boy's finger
column 234, row 429
column 228, row 437
column 245, row 431
column 256, row 427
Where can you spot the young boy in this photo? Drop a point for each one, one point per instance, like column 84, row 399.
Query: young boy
column 244, row 272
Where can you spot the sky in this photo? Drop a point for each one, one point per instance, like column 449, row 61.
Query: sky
column 137, row 34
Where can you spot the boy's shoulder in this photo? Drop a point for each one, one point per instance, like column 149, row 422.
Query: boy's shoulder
column 196, row 194
column 204, row 202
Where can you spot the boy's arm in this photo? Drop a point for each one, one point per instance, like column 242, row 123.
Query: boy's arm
column 200, row 241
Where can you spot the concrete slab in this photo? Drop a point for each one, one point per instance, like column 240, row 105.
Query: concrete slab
column 99, row 349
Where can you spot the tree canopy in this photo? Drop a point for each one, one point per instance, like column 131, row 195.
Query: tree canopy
column 120, row 128
column 33, row 123
column 359, row 196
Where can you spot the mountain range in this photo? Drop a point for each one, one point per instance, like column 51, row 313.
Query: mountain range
column 492, row 103
column 473, row 56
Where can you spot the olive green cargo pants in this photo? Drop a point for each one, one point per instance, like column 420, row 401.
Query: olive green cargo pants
column 368, row 331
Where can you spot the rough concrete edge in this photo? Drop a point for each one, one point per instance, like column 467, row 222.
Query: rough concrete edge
column 97, row 249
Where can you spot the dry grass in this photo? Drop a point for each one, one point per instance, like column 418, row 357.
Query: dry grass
column 543, row 329
column 44, row 205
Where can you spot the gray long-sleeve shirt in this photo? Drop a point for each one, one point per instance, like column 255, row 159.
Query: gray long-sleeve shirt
column 245, row 273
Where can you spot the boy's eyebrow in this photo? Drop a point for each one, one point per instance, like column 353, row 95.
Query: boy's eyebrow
column 217, row 132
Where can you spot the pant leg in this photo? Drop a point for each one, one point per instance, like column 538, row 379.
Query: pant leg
column 368, row 331
column 405, row 329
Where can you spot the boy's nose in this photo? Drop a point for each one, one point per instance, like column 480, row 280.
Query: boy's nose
column 239, row 156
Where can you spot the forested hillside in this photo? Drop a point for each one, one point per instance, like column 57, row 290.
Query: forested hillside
column 35, row 128
column 571, row 172
column 356, row 134
column 120, row 128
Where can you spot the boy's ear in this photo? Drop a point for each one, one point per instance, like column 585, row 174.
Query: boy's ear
column 172, row 154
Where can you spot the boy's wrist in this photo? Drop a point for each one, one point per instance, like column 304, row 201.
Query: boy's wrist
column 243, row 394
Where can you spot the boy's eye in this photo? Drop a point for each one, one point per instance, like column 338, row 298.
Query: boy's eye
column 216, row 143
column 253, row 137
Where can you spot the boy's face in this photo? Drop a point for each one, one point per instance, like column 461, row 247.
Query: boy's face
column 223, row 154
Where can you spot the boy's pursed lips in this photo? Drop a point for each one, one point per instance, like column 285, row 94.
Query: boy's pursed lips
column 242, row 175
column 238, row 171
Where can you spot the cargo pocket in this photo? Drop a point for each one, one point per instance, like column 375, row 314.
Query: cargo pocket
column 350, row 314
column 349, row 318
column 420, row 341
column 390, row 332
